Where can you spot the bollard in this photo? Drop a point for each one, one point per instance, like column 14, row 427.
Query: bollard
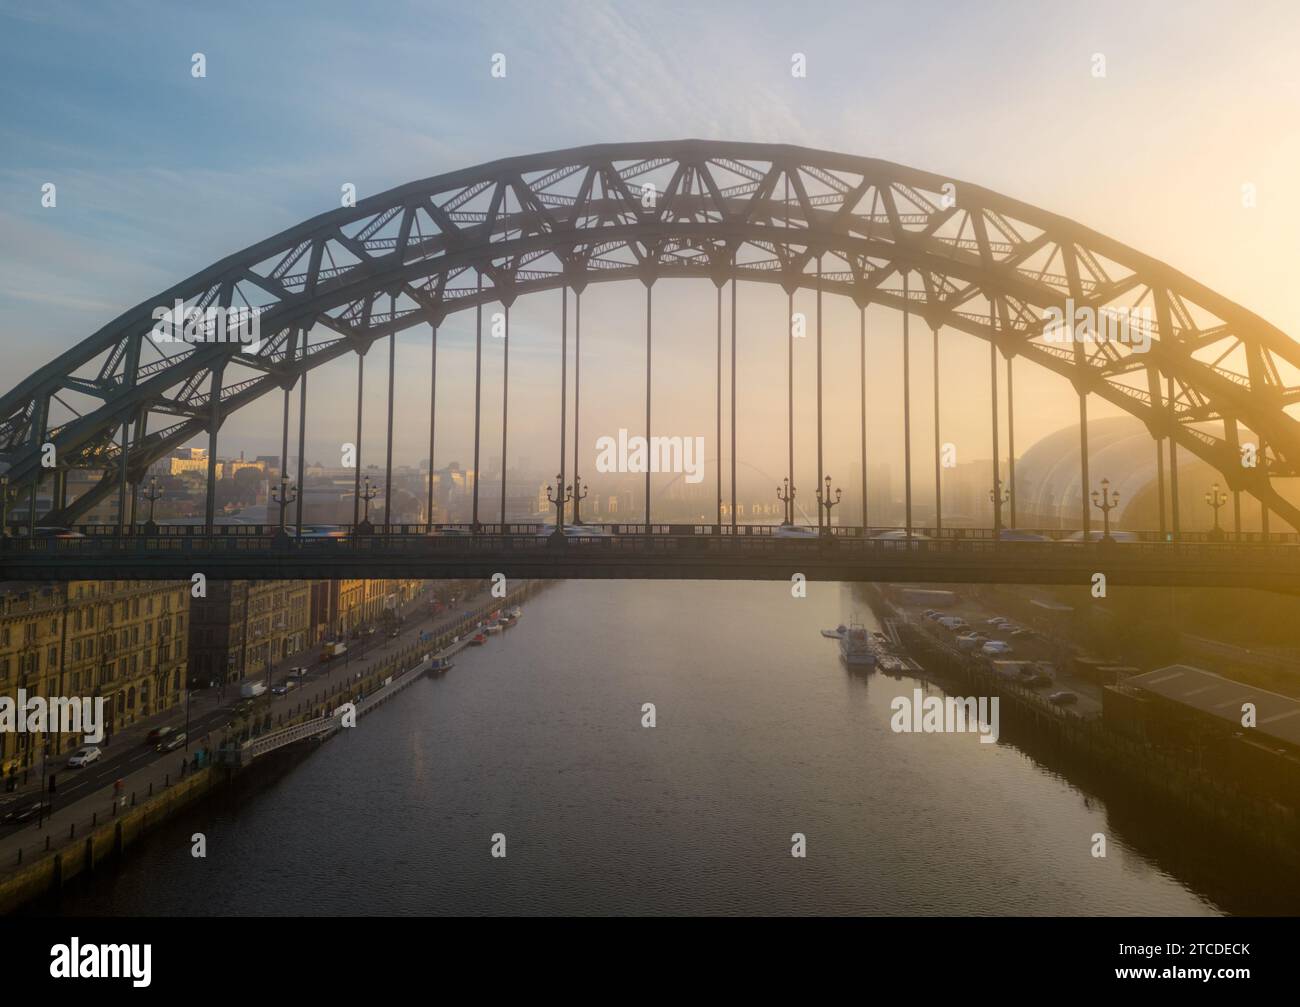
column 47, row 842
column 20, row 854
column 167, row 780
column 133, row 798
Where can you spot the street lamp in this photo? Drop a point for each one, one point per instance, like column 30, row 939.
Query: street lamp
column 367, row 494
column 284, row 495
column 579, row 494
column 1105, row 503
column 562, row 495
column 153, row 494
column 998, row 496
column 787, row 498
column 1216, row 499
column 826, row 501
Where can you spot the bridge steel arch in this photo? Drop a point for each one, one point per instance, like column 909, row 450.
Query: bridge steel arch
column 978, row 262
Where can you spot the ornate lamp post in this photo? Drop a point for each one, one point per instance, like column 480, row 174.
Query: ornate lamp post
column 287, row 494
column 787, row 498
column 1216, row 499
column 562, row 495
column 1105, row 502
column 825, row 500
column 367, row 494
column 153, row 494
column 579, row 494
column 998, row 496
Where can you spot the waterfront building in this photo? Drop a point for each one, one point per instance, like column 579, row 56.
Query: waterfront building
column 242, row 627
column 123, row 641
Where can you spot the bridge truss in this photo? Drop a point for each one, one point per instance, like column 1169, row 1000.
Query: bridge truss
column 946, row 252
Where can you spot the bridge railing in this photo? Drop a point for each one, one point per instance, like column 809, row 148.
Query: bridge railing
column 631, row 538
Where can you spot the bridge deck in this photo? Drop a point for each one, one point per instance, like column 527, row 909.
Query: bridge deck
column 667, row 552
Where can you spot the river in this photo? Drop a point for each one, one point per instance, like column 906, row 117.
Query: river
column 760, row 733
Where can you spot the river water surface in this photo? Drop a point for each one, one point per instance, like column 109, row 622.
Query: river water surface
column 761, row 733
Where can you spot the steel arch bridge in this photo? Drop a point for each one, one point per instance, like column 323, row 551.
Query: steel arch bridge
column 950, row 253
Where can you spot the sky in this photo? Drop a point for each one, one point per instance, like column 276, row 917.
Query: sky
column 159, row 173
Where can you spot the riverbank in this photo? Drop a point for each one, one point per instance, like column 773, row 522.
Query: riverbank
column 82, row 837
column 1111, row 761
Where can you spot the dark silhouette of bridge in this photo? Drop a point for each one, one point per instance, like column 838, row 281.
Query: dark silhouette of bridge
column 675, row 552
column 1209, row 378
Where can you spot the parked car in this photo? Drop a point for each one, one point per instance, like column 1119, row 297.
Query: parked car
column 84, row 756
column 996, row 648
column 1063, row 698
column 969, row 641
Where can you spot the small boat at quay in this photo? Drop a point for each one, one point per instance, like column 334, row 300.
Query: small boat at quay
column 856, row 648
column 835, row 634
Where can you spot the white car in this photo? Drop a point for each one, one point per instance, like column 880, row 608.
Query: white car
column 84, row 756
column 993, row 648
column 795, row 531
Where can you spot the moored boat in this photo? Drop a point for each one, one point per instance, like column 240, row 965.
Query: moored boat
column 856, row 647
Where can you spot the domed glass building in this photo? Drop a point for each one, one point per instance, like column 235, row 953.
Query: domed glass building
column 1121, row 449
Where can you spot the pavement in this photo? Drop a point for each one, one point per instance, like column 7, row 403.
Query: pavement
column 83, row 792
